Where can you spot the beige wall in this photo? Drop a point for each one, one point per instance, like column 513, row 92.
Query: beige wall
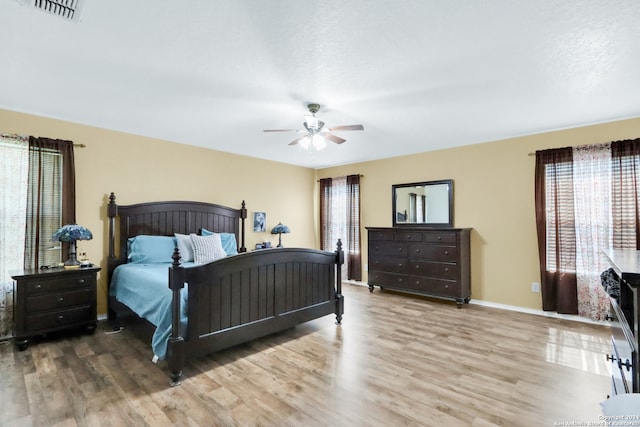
column 494, row 195
column 493, row 187
column 139, row 169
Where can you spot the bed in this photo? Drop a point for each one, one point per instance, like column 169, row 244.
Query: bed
column 200, row 308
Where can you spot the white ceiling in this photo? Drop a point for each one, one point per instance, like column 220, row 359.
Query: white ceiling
column 420, row 75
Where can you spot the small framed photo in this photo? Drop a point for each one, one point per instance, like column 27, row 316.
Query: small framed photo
column 260, row 222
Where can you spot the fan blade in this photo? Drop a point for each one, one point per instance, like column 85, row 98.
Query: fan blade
column 295, row 141
column 280, row 130
column 333, row 138
column 347, row 127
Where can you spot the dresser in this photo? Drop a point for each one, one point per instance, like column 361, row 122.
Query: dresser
column 433, row 262
column 52, row 300
column 625, row 322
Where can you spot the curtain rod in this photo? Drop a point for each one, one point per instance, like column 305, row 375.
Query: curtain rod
column 360, row 175
column 79, row 145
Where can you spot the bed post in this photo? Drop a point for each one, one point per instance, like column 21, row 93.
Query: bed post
column 176, row 344
column 339, row 296
column 112, row 213
column 243, row 216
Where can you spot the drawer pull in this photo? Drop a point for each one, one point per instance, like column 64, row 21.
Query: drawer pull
column 417, row 267
column 439, row 237
column 446, row 252
column 418, row 251
column 37, row 286
column 626, row 364
column 60, row 299
column 399, row 249
column 81, row 281
column 60, row 318
column 446, row 269
column 400, row 265
column 409, row 237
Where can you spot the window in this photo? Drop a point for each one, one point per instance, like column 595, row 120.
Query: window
column 37, row 196
column 586, row 202
column 14, row 166
column 340, row 219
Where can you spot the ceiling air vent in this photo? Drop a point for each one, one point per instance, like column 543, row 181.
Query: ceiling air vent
column 67, row 9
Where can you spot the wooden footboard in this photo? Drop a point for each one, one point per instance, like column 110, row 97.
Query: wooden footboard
column 240, row 298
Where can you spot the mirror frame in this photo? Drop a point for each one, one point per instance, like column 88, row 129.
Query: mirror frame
column 448, row 182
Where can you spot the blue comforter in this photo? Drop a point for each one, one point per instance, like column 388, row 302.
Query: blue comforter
column 144, row 288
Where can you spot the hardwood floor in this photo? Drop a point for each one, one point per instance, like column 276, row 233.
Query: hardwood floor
column 396, row 360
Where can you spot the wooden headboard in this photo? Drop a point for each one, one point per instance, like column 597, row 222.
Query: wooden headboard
column 167, row 218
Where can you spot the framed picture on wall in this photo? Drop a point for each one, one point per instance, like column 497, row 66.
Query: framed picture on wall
column 260, row 221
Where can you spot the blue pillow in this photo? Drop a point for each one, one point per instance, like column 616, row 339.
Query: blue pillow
column 228, row 240
column 145, row 249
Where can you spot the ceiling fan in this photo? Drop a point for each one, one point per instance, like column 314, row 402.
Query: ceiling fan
column 314, row 131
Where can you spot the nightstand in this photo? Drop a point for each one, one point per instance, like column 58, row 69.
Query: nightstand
column 53, row 299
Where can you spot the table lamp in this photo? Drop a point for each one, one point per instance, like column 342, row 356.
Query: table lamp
column 72, row 233
column 279, row 229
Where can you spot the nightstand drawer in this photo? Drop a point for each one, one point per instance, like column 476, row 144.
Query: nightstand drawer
column 60, row 300
column 58, row 319
column 42, row 285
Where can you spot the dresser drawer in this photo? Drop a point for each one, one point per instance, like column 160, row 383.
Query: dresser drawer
column 376, row 249
column 43, row 285
column 446, row 288
column 387, row 279
column 60, row 319
column 408, row 236
column 381, row 235
column 433, row 269
column 390, row 264
column 440, row 237
column 60, row 300
column 433, row 252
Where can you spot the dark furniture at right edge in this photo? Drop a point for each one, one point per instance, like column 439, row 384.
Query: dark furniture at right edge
column 625, row 322
column 433, row 262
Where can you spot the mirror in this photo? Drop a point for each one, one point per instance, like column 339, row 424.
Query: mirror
column 427, row 204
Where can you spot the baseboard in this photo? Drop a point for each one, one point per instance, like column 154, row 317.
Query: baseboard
column 571, row 317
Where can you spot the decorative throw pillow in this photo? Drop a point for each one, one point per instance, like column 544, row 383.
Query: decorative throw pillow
column 229, row 243
column 207, row 248
column 185, row 247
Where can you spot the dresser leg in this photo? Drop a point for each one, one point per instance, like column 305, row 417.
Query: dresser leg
column 22, row 344
column 370, row 288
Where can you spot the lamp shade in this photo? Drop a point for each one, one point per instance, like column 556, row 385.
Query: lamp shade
column 71, row 233
column 280, row 228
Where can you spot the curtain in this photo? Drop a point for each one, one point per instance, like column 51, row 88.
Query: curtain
column 340, row 219
column 554, row 204
column 592, row 192
column 586, row 201
column 14, row 164
column 50, row 199
column 625, row 157
column 353, row 259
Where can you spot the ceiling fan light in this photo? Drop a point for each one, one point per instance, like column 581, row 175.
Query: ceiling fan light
column 305, row 142
column 318, row 142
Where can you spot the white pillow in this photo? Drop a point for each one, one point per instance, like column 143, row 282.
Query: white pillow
column 207, row 248
column 185, row 247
